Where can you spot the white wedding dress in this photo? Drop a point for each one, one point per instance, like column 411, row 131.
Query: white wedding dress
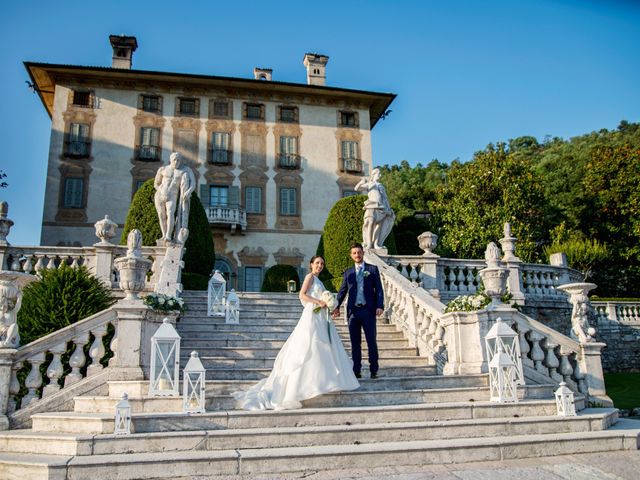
column 312, row 361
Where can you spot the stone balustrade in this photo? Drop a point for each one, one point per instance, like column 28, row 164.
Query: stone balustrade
column 622, row 312
column 99, row 260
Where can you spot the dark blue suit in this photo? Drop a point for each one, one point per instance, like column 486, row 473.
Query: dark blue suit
column 362, row 317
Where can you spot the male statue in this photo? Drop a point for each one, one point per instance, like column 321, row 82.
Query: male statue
column 378, row 215
column 174, row 184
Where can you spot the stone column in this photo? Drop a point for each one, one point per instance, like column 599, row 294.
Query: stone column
column 429, row 267
column 464, row 338
column 6, row 361
column 594, row 376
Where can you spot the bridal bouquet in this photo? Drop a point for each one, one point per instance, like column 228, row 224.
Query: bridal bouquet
column 328, row 298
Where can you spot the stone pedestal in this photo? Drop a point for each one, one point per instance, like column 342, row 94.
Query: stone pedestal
column 6, row 360
column 169, row 281
column 594, row 376
column 464, row 338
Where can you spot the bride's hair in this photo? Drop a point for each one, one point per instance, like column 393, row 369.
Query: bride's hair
column 313, row 259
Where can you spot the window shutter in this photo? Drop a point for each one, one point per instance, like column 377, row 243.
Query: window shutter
column 204, row 195
column 73, row 190
column 234, row 196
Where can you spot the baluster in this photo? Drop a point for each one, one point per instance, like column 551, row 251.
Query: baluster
column 403, row 270
column 97, row 351
column 414, row 273
column 565, row 369
column 460, row 279
column 75, row 262
column 51, row 264
column 27, row 266
column 40, row 263
column 63, row 261
column 544, row 283
column 77, row 359
column 469, row 280
column 114, row 347
column 524, row 346
column 15, row 263
column 452, row 281
column 551, row 361
column 537, row 354
column 33, row 380
column 55, row 370
column 14, row 387
column 579, row 377
column 437, row 342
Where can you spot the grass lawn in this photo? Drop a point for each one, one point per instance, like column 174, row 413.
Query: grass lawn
column 624, row 389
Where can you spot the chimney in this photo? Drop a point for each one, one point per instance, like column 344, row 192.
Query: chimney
column 316, row 65
column 262, row 74
column 123, row 48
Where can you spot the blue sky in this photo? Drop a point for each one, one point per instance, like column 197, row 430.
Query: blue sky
column 466, row 72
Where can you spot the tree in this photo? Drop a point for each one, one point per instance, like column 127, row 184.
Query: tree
column 478, row 197
column 199, row 257
column 3, row 175
column 277, row 277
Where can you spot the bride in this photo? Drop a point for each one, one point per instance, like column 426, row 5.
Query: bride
column 311, row 362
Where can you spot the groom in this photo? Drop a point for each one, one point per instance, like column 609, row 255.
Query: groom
column 366, row 301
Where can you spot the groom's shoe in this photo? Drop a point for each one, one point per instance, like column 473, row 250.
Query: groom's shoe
column 374, row 375
column 357, row 374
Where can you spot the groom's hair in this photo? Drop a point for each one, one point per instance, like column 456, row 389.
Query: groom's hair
column 356, row 245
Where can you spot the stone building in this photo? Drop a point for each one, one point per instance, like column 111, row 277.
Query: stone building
column 270, row 158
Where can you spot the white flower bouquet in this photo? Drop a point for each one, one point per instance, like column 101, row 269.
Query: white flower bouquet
column 468, row 303
column 164, row 303
column 328, row 298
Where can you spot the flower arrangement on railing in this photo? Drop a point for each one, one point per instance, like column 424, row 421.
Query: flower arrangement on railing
column 468, row 303
column 164, row 303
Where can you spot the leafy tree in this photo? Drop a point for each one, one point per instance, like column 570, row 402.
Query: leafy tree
column 583, row 254
column 61, row 297
column 3, row 175
column 199, row 257
column 277, row 277
column 478, row 197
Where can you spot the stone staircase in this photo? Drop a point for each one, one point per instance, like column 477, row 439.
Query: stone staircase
column 409, row 415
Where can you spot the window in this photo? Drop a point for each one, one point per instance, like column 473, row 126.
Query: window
column 218, row 196
column 349, row 193
column 348, row 119
column 288, row 114
column 149, row 144
column 252, row 279
column 253, row 199
column 78, row 140
column 221, row 109
column 188, row 106
column 350, row 160
column 151, row 103
column 254, row 111
column 82, row 98
column 220, row 153
column 73, row 192
column 288, row 152
column 288, row 197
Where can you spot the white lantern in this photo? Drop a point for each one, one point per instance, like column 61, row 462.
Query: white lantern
column 232, row 308
column 165, row 361
column 217, row 287
column 291, row 286
column 502, row 381
column 504, row 336
column 123, row 416
column 193, row 384
column 565, row 403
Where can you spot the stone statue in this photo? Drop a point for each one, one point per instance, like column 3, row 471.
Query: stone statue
column 134, row 244
column 378, row 216
column 580, row 328
column 10, row 302
column 174, row 184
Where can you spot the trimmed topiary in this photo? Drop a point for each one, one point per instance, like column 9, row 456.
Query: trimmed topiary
column 277, row 276
column 199, row 257
column 60, row 298
column 342, row 228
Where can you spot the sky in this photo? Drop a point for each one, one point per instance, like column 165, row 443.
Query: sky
column 467, row 73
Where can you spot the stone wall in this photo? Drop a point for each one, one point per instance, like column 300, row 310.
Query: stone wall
column 622, row 353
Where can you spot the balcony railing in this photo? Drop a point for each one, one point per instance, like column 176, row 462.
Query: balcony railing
column 218, row 156
column 234, row 216
column 148, row 153
column 352, row 165
column 77, row 148
column 289, row 160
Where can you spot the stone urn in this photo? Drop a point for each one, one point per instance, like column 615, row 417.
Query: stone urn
column 494, row 277
column 428, row 241
column 105, row 230
column 133, row 268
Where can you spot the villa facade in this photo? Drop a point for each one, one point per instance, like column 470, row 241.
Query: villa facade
column 270, row 158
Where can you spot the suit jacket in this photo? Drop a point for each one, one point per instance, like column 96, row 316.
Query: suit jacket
column 373, row 293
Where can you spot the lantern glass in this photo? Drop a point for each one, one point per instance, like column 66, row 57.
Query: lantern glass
column 291, row 286
column 232, row 308
column 165, row 361
column 503, row 337
column 193, row 385
column 123, row 416
column 502, row 382
column 216, row 294
column 565, row 401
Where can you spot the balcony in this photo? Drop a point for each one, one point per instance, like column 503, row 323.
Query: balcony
column 290, row 161
column 226, row 215
column 352, row 165
column 148, row 153
column 219, row 156
column 77, row 148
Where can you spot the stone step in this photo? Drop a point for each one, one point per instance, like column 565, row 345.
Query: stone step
column 261, row 326
column 99, row 423
column 203, row 344
column 265, row 334
column 217, row 361
column 26, row 441
column 264, row 353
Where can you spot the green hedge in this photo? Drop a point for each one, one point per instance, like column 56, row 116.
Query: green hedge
column 60, row 298
column 277, row 276
column 199, row 257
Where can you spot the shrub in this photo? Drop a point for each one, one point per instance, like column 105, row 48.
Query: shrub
column 583, row 254
column 60, row 298
column 199, row 257
column 277, row 276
